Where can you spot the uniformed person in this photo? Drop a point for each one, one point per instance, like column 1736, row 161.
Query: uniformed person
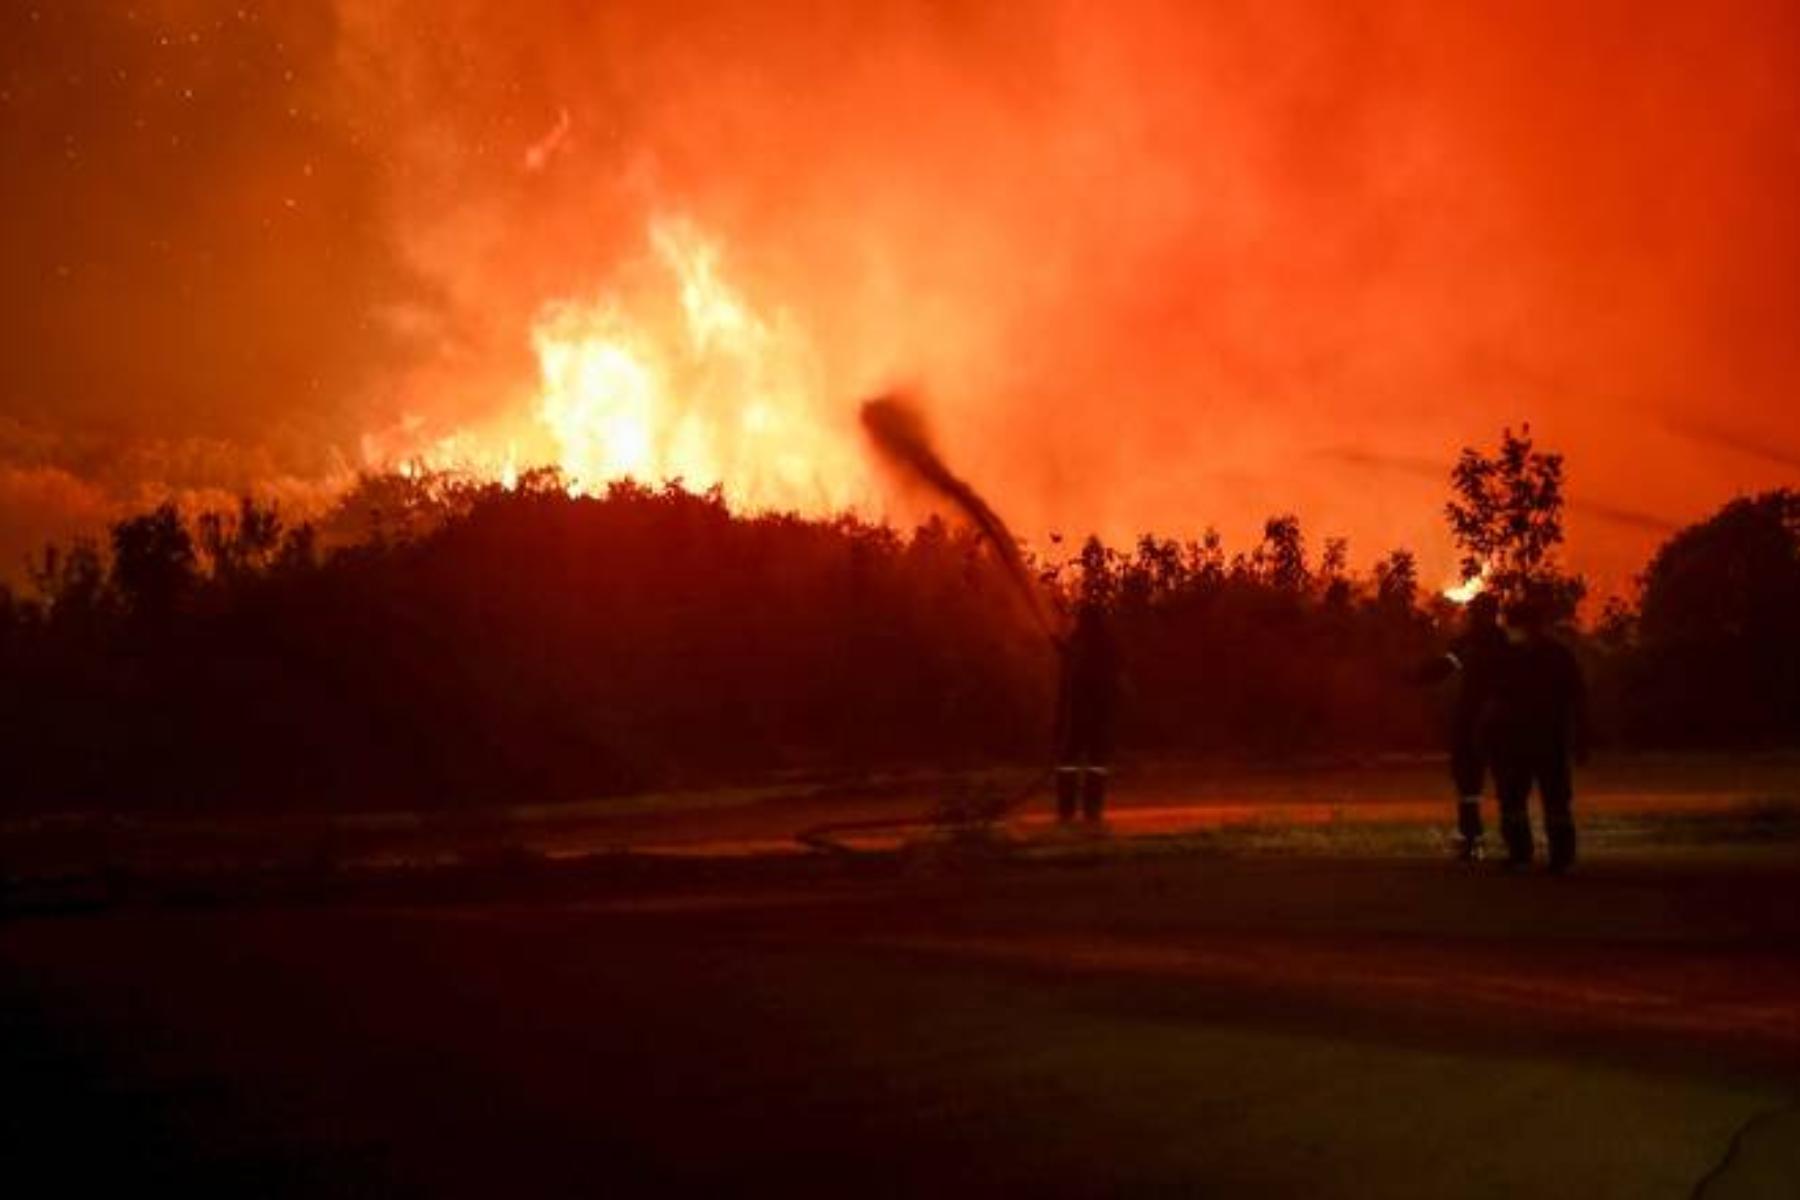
column 1472, row 658
column 1536, row 723
column 1087, row 696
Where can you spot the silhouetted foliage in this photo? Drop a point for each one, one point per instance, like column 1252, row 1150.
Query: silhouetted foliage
column 152, row 561
column 1718, row 636
column 1506, row 518
column 72, row 583
column 478, row 645
column 475, row 644
column 1397, row 580
column 1280, row 561
column 241, row 544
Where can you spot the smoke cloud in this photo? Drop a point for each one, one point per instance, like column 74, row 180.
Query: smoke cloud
column 1151, row 261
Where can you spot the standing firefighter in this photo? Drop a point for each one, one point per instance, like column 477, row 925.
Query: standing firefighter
column 1086, row 697
column 1537, row 722
column 1474, row 659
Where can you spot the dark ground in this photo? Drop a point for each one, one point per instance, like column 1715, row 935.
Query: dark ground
column 1088, row 1025
column 1263, row 984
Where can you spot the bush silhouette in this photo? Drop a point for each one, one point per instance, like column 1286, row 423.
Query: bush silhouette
column 437, row 642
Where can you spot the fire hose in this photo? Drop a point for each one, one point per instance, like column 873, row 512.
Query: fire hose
column 828, row 836
column 898, row 433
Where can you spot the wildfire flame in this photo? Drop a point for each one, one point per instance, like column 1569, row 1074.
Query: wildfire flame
column 676, row 378
column 721, row 396
column 1466, row 590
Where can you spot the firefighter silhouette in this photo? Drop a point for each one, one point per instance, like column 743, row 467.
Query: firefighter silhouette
column 1536, row 722
column 1086, row 698
column 1473, row 659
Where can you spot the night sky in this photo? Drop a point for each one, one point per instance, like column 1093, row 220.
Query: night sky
column 1152, row 266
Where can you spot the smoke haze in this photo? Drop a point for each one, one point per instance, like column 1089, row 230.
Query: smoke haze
column 1157, row 265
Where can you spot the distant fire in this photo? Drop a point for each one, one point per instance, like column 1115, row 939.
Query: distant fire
column 1466, row 590
column 676, row 377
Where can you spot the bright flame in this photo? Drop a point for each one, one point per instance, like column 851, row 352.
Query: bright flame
column 509, row 470
column 600, row 399
column 676, row 378
column 719, row 396
column 1466, row 590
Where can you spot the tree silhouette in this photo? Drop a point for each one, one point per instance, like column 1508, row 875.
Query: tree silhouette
column 1506, row 518
column 1096, row 583
column 1334, row 572
column 153, row 561
column 243, row 543
column 482, row 645
column 1719, row 629
column 72, row 583
column 1280, row 561
column 1397, row 580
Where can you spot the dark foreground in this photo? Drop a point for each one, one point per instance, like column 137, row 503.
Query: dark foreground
column 1085, row 1025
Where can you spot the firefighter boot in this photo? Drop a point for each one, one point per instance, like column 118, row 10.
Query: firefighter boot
column 1517, row 831
column 1470, row 843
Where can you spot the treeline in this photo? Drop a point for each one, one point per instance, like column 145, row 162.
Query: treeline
column 437, row 643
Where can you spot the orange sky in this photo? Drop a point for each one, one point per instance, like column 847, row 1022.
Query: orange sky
column 1152, row 265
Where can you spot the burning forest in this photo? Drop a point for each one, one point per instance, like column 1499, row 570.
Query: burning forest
column 1055, row 599
column 1143, row 283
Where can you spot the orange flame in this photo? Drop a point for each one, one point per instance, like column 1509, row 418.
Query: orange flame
column 714, row 395
column 1465, row 590
column 676, row 377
